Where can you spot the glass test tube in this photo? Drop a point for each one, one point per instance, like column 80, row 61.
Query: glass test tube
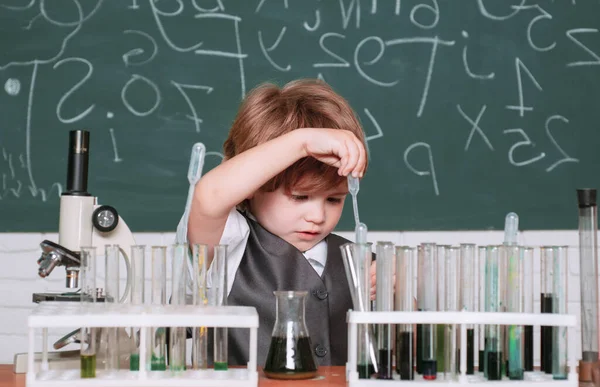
column 547, row 297
column 494, row 288
column 112, row 279
column 177, row 334
column 385, row 303
column 588, row 272
column 481, row 259
column 88, row 295
column 138, row 256
column 200, row 298
column 441, row 306
column 528, row 292
column 467, row 280
column 367, row 358
column 559, row 306
column 404, row 302
column 427, row 301
column 157, row 335
column 219, row 284
column 514, row 298
column 451, row 283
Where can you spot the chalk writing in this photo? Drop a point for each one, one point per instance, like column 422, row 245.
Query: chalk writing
column 475, row 127
column 521, row 107
column 526, row 142
column 566, row 158
column 470, row 73
column 90, row 70
column 434, row 9
column 578, row 42
column 267, row 50
column 129, row 106
column 431, row 168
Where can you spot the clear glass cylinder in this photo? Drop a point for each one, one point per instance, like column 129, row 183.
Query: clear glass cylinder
column 158, row 335
column 219, row 284
column 177, row 334
column 468, row 290
column 528, row 292
column 442, row 250
column 452, row 267
column 112, row 255
column 515, row 298
column 138, row 258
column 559, row 306
column 588, row 279
column 494, row 281
column 367, row 358
column 385, row 303
column 427, row 292
column 404, row 301
column 546, row 300
column 200, row 298
column 87, row 275
column 290, row 353
column 481, row 260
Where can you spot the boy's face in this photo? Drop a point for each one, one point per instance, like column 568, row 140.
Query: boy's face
column 300, row 218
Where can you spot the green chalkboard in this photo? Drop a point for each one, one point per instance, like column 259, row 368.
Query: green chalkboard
column 472, row 108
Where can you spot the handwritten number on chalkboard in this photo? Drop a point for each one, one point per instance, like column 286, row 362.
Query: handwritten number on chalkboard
column 72, row 90
column 435, row 9
column 526, row 142
column 543, row 15
column 585, row 48
column 341, row 61
column 181, row 87
column 522, row 108
column 566, row 158
column 485, row 12
column 428, row 172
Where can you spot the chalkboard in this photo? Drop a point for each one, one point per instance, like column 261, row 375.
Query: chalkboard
column 472, row 109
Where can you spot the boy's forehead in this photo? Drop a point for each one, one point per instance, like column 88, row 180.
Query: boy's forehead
column 307, row 185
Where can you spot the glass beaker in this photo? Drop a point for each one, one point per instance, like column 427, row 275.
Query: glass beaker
column 290, row 353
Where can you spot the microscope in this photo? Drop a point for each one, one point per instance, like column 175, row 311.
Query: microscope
column 83, row 222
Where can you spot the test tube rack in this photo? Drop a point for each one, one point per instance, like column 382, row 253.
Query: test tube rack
column 461, row 320
column 75, row 315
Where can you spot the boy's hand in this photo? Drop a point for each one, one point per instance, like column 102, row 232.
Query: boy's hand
column 336, row 147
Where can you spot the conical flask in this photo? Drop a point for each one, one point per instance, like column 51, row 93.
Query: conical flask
column 290, row 354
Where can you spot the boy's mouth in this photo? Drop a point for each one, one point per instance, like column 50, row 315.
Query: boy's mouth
column 308, row 234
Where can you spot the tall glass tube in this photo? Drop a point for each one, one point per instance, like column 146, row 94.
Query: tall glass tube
column 158, row 335
column 385, row 303
column 494, row 269
column 481, row 260
column 427, row 301
column 367, row 357
column 88, row 295
column 138, row 257
column 547, row 297
column 219, row 283
column 404, row 302
column 177, row 334
column 527, row 257
column 588, row 272
column 468, row 280
column 451, row 282
column 559, row 306
column 514, row 291
column 112, row 295
column 441, row 306
column 200, row 298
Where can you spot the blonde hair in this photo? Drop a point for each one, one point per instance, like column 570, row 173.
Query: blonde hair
column 268, row 112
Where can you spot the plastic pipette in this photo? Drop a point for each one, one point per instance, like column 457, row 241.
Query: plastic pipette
column 194, row 174
column 353, row 187
column 511, row 227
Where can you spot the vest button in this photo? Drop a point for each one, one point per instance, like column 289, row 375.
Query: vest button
column 321, row 294
column 320, row 351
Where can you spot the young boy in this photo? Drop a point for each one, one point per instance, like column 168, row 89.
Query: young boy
column 275, row 200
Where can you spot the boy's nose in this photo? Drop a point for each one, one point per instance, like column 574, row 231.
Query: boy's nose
column 316, row 213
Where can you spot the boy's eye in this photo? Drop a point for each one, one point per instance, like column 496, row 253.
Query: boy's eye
column 334, row 200
column 299, row 198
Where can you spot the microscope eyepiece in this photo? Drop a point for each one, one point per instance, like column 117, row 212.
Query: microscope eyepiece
column 77, row 169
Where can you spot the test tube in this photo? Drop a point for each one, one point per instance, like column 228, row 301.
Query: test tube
column 177, row 334
column 514, row 298
column 157, row 335
column 547, row 296
column 219, row 283
column 481, row 259
column 200, row 298
column 138, row 255
column 468, row 277
column 494, row 288
column 404, row 302
column 112, row 279
column 367, row 358
column 588, row 272
column 441, row 306
column 88, row 295
column 385, row 303
column 527, row 253
column 452, row 271
column 559, row 306
column 427, row 301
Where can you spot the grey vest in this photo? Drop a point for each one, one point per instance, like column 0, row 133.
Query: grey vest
column 270, row 263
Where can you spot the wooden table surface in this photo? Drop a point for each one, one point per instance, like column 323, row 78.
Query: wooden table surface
column 328, row 377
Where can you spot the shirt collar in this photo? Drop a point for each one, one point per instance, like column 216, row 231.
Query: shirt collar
column 318, row 252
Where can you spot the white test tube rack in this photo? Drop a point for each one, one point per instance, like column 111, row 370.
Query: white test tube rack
column 461, row 320
column 75, row 315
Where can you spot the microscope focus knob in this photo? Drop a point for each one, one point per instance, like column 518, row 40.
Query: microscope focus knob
column 105, row 218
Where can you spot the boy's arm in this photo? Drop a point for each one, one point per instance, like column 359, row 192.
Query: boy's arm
column 236, row 179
